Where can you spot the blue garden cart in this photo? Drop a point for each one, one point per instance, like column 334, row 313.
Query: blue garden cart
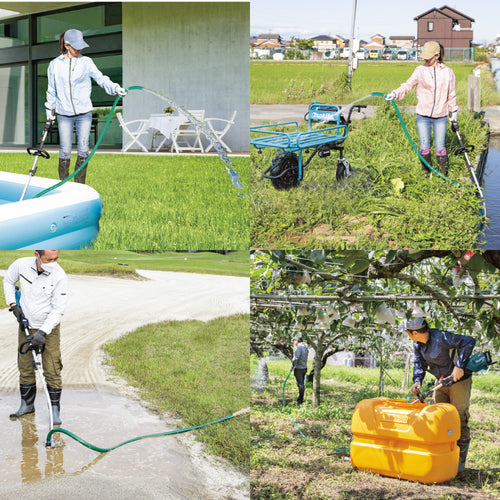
column 287, row 168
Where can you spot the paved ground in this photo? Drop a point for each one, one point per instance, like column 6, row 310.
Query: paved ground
column 99, row 309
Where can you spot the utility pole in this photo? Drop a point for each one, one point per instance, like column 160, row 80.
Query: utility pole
column 351, row 46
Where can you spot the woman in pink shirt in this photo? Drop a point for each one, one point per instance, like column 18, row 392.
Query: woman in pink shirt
column 436, row 100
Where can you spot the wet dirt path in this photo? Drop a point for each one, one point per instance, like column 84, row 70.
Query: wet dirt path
column 95, row 407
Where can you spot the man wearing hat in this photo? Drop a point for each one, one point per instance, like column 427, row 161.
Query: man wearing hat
column 68, row 95
column 442, row 353
column 299, row 363
column 436, row 100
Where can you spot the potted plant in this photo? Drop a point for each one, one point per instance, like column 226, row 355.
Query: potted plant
column 169, row 110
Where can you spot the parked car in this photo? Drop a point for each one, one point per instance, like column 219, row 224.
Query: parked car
column 344, row 53
column 361, row 54
column 373, row 54
column 331, row 54
column 402, row 55
column 387, row 54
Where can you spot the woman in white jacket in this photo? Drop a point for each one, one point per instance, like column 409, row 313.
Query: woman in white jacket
column 68, row 95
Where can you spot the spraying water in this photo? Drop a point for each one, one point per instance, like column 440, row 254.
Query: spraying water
column 259, row 381
column 207, row 132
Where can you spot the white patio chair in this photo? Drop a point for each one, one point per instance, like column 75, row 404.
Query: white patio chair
column 133, row 134
column 220, row 133
column 186, row 131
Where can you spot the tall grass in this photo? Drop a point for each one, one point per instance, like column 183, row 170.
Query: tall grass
column 199, row 370
column 157, row 202
column 292, row 82
column 366, row 211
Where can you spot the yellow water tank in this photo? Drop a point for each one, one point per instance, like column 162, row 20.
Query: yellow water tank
column 409, row 441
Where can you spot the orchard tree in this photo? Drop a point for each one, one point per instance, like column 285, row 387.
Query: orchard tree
column 355, row 299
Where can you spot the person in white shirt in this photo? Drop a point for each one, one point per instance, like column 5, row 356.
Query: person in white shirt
column 68, row 95
column 43, row 284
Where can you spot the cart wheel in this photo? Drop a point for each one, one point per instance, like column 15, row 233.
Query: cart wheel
column 344, row 169
column 284, row 171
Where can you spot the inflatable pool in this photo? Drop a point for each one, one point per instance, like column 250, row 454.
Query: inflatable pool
column 66, row 218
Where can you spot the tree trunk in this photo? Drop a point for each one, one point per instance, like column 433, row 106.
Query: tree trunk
column 318, row 356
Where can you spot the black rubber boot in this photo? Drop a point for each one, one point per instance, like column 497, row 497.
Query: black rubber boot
column 63, row 168
column 28, row 393
column 427, row 158
column 55, row 398
column 464, row 449
column 442, row 162
column 80, row 176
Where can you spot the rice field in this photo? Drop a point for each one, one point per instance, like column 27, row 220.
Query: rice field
column 302, row 82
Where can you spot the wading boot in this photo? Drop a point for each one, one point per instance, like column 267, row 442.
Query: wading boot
column 63, row 168
column 427, row 158
column 80, row 176
column 463, row 456
column 55, row 398
column 442, row 162
column 28, row 393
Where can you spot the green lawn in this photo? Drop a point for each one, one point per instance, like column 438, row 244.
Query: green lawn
column 286, row 466
column 159, row 202
column 198, row 370
column 303, row 82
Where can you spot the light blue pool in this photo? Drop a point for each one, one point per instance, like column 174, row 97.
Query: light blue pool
column 66, row 218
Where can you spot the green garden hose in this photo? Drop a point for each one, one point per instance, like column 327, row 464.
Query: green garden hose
column 288, row 411
column 220, row 150
column 168, row 433
column 412, row 144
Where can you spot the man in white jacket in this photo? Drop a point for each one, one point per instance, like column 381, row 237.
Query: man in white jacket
column 43, row 285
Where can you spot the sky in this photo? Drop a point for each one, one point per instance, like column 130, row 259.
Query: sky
column 308, row 18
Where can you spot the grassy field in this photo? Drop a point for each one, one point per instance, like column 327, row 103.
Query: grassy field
column 286, row 466
column 124, row 263
column 387, row 203
column 157, row 202
column 199, row 371
column 303, row 82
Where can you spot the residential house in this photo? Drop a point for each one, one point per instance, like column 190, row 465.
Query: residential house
column 445, row 25
column 322, row 43
column 497, row 45
column 376, row 42
column 267, row 45
column 402, row 42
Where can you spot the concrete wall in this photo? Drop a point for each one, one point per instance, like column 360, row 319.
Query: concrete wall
column 196, row 54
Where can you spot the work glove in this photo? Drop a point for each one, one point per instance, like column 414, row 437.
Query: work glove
column 51, row 114
column 416, row 387
column 18, row 313
column 452, row 116
column 120, row 91
column 391, row 96
column 38, row 338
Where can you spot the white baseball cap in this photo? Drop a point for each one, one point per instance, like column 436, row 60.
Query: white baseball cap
column 75, row 39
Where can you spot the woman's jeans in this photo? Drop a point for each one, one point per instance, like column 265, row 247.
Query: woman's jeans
column 83, row 123
column 424, row 124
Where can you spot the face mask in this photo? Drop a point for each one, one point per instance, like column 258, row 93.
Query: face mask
column 47, row 266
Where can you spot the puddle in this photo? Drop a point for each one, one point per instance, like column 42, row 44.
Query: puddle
column 162, row 467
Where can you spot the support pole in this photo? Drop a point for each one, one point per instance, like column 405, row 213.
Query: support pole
column 351, row 47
